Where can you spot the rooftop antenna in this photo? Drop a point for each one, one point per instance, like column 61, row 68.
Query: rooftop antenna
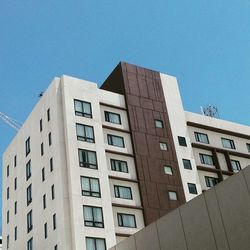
column 210, row 110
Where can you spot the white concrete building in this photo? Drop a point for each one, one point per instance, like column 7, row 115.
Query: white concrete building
column 92, row 166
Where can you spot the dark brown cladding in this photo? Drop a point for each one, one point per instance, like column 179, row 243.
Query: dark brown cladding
column 145, row 102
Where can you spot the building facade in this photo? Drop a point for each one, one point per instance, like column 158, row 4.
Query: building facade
column 92, row 166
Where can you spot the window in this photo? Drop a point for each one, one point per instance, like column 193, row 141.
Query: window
column 93, row 216
column 55, row 247
column 15, row 183
column 126, row 220
column 115, row 140
column 41, row 125
column 206, row 159
column 54, row 221
column 44, row 201
column 192, row 188
column 43, row 174
column 85, row 133
column 50, row 139
column 48, row 115
column 8, row 170
column 51, row 164
column 8, row 193
column 182, row 141
column 29, row 221
column 29, row 194
column 28, row 170
column 120, row 166
column 200, row 137
column 30, row 244
column 168, row 170
column 8, row 217
column 42, row 150
column 15, row 161
column 163, row 146
column 52, row 192
column 123, row 192
column 172, row 195
column 112, row 117
column 227, row 143
column 15, row 233
column 158, row 123
column 235, row 166
column 83, row 108
column 87, row 159
column 90, row 186
column 95, row 244
column 45, row 231
column 187, row 164
column 248, row 147
column 8, row 242
column 15, row 207
column 27, row 146
column 211, row 181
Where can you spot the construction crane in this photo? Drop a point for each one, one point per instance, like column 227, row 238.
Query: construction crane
column 12, row 122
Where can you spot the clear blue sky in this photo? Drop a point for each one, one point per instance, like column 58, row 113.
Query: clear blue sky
column 204, row 43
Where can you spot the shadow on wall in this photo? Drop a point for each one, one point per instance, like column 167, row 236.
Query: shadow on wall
column 218, row 219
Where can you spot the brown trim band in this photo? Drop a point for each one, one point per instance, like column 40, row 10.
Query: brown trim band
column 116, row 129
column 122, row 235
column 122, row 179
column 214, row 170
column 127, row 206
column 118, row 153
column 112, row 106
column 218, row 130
column 220, row 150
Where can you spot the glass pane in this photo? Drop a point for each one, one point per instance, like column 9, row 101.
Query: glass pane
column 90, row 244
column 91, row 158
column 78, row 106
column 85, row 184
column 100, row 244
column 87, row 108
column 89, row 132
column 80, row 130
column 88, row 214
column 94, row 185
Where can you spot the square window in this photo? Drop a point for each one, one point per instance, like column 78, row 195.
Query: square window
column 207, row 159
column 168, row 170
column 90, row 186
column 200, row 137
column 112, row 117
column 93, row 216
column 187, row 164
column 119, row 166
column 85, row 133
column 87, row 159
column 123, row 192
column 83, row 108
column 192, row 188
column 172, row 195
column 227, row 143
column 163, row 146
column 116, row 141
column 158, row 123
column 126, row 220
column 182, row 141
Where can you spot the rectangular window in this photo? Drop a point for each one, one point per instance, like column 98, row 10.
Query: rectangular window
column 90, row 186
column 15, row 161
column 200, row 137
column 123, row 192
column 42, row 150
column 29, row 221
column 93, row 216
column 55, row 247
column 41, row 125
column 30, row 244
column 15, row 183
column 28, row 170
column 15, row 233
column 158, row 123
column 168, row 170
column 44, row 201
column 8, row 242
column 207, row 159
column 54, row 221
column 126, row 220
column 95, row 244
column 192, row 188
column 182, row 141
column 85, row 133
column 45, row 231
column 51, row 164
column 248, row 147
column 172, row 196
column 43, row 174
column 8, row 217
column 211, row 181
column 116, row 141
column 8, row 193
column 187, row 164
column 29, row 194
column 163, row 146
column 50, row 139
column 83, row 108
column 48, row 115
column 235, row 166
column 227, row 143
column 8, row 170
column 120, row 166
column 87, row 159
column 27, row 146
column 53, row 192
column 112, row 117
column 15, row 207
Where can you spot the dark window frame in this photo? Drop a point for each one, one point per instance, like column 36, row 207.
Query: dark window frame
column 110, row 139
column 118, row 195
column 27, row 146
column 93, row 223
column 83, row 114
column 107, row 117
column 158, row 121
column 85, row 138
column 208, row 183
column 90, row 192
column 121, row 220
column 231, row 142
column 29, row 194
column 202, row 159
column 198, row 138
column 192, row 186
column 116, row 165
column 187, row 164
column 28, row 170
column 29, row 221
column 182, row 141
column 95, row 239
column 83, row 153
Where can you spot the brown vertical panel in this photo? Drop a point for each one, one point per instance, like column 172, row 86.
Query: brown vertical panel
column 146, row 102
